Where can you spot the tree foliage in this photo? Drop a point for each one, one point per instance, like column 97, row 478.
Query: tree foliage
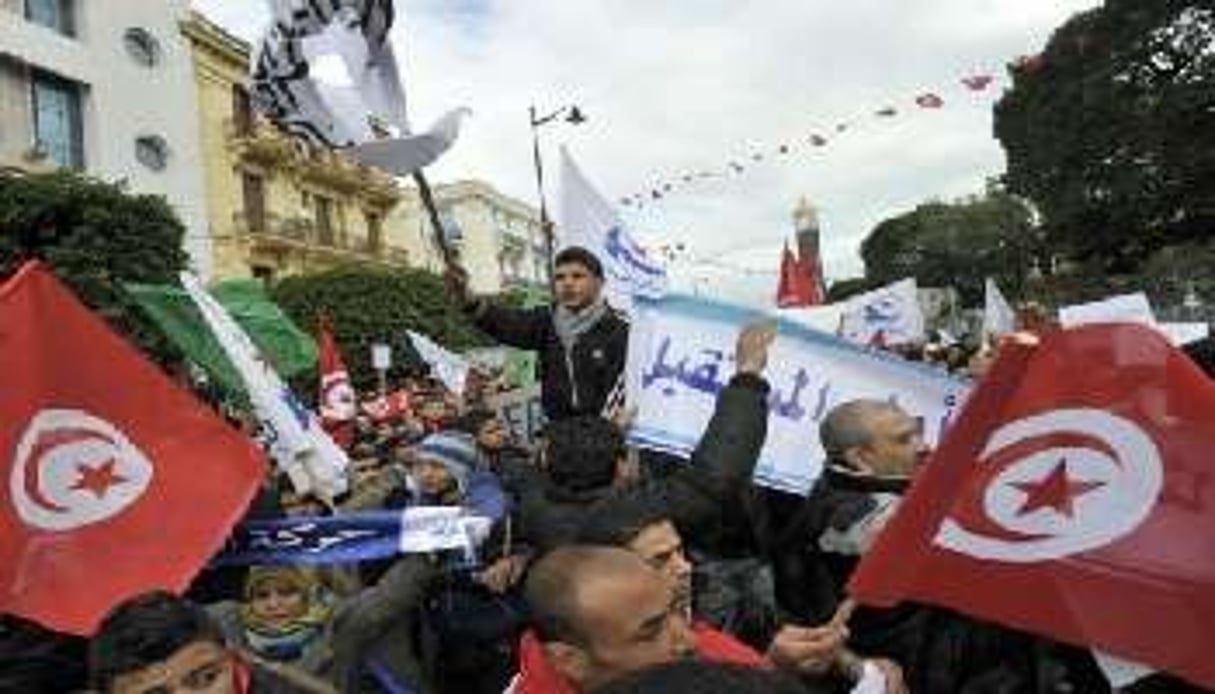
column 374, row 305
column 94, row 236
column 955, row 244
column 1111, row 131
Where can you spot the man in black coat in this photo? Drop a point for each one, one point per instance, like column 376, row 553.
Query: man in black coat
column 582, row 342
column 873, row 450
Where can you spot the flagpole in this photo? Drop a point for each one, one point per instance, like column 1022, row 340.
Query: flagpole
column 432, row 211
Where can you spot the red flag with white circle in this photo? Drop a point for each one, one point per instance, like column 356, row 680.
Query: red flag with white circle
column 115, row 480
column 1075, row 498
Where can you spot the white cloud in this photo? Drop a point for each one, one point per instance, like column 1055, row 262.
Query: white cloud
column 673, row 86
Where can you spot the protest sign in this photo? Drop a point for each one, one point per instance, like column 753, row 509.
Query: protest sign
column 680, row 358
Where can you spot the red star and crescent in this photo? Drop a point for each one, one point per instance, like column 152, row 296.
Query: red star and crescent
column 98, row 480
column 1057, row 491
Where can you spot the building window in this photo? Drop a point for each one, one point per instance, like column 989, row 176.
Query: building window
column 152, row 151
column 253, row 188
column 58, row 127
column 53, row 14
column 375, row 232
column 263, row 273
column 242, row 110
column 142, row 46
column 323, row 208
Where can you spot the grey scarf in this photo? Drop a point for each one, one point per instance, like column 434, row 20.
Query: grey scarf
column 571, row 325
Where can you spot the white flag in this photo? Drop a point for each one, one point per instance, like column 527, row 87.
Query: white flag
column 590, row 221
column 998, row 317
column 448, row 367
column 1124, row 308
column 297, row 442
column 890, row 315
column 363, row 108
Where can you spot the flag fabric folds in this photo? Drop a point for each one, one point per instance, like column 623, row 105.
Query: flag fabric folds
column 1071, row 499
column 298, row 444
column 793, row 289
column 998, row 317
column 337, row 400
column 116, row 481
column 589, row 220
column 291, row 350
column 368, row 115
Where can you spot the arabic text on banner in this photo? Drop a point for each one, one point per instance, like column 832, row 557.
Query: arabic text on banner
column 680, row 357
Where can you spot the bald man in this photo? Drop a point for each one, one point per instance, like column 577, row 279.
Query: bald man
column 602, row 612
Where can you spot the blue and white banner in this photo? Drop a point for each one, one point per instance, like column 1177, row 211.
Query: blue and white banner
column 355, row 537
column 889, row 315
column 681, row 357
column 587, row 219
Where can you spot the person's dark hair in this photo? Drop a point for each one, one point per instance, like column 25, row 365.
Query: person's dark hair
column 618, row 519
column 472, row 421
column 35, row 659
column 146, row 630
column 698, row 677
column 580, row 256
column 582, row 452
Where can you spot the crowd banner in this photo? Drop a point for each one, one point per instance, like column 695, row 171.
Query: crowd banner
column 355, row 537
column 681, row 357
column 447, row 366
column 890, row 315
column 292, row 432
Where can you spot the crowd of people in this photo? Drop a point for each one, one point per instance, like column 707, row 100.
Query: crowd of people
column 606, row 569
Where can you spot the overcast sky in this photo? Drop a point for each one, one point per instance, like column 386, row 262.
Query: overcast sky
column 676, row 87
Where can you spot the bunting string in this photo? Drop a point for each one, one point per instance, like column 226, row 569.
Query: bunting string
column 967, row 86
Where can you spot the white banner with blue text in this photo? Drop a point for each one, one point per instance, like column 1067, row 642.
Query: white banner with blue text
column 681, row 357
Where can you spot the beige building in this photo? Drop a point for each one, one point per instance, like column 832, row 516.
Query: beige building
column 498, row 237
column 105, row 88
column 278, row 207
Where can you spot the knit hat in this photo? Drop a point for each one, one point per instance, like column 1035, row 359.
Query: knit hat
column 456, row 451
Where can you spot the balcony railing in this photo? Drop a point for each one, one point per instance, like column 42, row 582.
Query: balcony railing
column 302, row 233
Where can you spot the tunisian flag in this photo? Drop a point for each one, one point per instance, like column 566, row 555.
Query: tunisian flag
column 794, row 288
column 1074, row 497
column 338, row 406
column 114, row 480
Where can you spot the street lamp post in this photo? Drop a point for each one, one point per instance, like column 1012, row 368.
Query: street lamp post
column 574, row 116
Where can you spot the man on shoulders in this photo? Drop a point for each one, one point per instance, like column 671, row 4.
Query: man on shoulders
column 581, row 341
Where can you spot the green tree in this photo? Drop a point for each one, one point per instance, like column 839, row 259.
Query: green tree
column 956, row 244
column 94, row 236
column 375, row 305
column 1111, row 131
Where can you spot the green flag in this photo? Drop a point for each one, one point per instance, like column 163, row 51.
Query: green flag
column 290, row 350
